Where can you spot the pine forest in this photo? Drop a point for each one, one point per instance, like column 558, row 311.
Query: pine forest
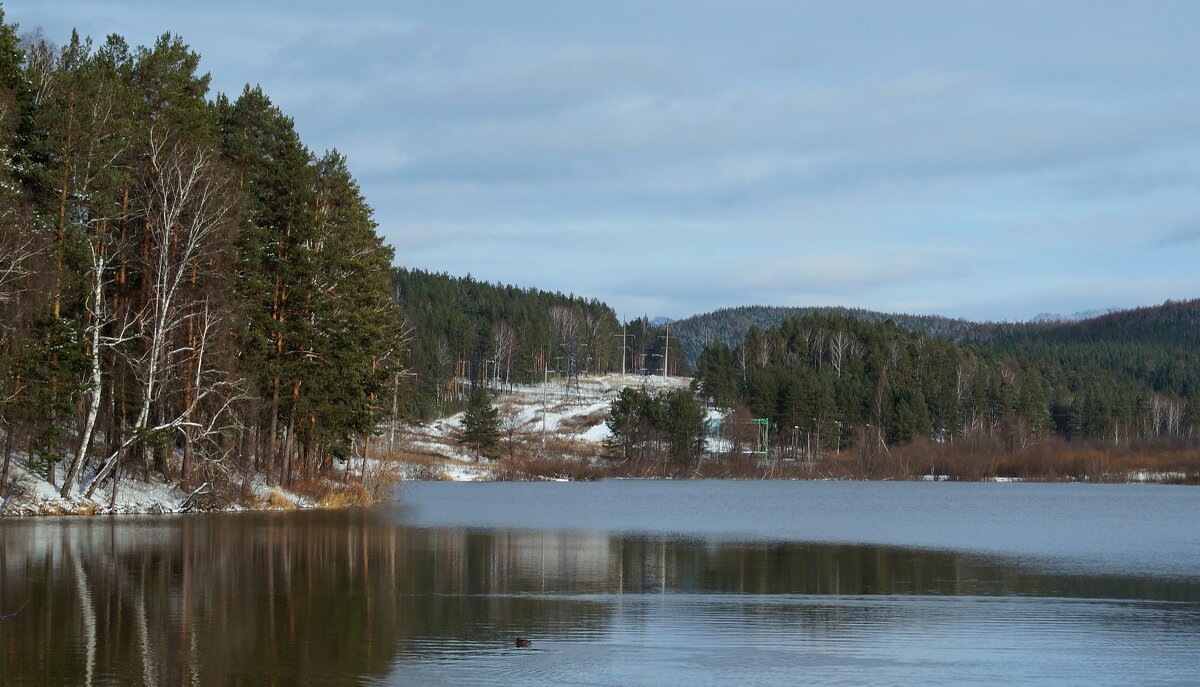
column 186, row 288
column 191, row 294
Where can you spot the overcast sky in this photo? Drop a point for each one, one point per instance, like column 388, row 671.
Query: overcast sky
column 977, row 159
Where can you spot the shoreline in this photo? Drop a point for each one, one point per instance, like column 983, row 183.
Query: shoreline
column 278, row 499
column 37, row 498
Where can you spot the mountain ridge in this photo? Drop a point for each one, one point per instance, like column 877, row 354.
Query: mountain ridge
column 729, row 325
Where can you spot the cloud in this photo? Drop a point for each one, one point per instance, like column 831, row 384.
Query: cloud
column 869, row 153
column 1185, row 233
column 810, row 279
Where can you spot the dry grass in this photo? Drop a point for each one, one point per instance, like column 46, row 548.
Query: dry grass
column 1050, row 459
column 346, row 496
column 329, row 492
column 976, row 458
column 311, row 488
column 277, row 500
column 525, row 467
column 582, row 423
column 427, row 460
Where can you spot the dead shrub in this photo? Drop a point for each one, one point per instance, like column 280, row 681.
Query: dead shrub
column 582, row 423
column 277, row 500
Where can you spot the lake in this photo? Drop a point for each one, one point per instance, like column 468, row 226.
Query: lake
column 621, row 583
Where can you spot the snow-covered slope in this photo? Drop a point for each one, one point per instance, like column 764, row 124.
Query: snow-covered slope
column 553, row 420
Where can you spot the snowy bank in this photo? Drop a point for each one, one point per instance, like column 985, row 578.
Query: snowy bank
column 30, row 494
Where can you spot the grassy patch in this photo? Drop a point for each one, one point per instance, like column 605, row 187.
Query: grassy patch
column 277, row 500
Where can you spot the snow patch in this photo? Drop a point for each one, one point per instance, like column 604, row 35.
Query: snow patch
column 572, row 415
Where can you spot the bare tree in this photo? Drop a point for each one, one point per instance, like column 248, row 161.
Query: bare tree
column 40, row 59
column 964, row 379
column 101, row 319
column 593, row 335
column 568, row 343
column 817, row 340
column 841, row 346
column 504, row 343
column 1166, row 415
column 442, row 352
column 513, row 434
column 17, row 252
column 743, row 361
column 184, row 205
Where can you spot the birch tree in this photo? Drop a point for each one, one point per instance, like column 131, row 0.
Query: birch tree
column 17, row 252
column 101, row 319
column 184, row 207
column 504, row 341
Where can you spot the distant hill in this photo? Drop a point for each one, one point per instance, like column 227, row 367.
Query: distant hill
column 1173, row 324
column 1073, row 317
column 731, row 324
column 1155, row 346
column 1127, row 374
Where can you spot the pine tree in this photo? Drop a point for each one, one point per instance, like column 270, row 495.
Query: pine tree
column 481, row 424
column 275, row 269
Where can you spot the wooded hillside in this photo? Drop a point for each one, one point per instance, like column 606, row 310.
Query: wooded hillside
column 729, row 325
column 466, row 332
column 179, row 275
column 1127, row 375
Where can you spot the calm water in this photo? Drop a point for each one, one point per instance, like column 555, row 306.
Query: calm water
column 622, row 583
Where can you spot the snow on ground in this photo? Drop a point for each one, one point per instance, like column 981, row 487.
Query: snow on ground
column 32, row 493
column 571, row 420
column 596, row 435
column 572, row 416
column 1148, row 476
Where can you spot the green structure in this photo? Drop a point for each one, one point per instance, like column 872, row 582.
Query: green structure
column 762, row 437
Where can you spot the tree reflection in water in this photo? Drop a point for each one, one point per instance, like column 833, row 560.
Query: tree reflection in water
column 336, row 597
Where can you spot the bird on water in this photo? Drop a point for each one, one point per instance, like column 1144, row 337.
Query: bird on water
column 521, row 643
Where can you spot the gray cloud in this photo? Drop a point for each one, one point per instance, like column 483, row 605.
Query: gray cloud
column 868, row 152
column 1188, row 232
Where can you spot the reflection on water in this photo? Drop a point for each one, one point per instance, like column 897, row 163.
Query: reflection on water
column 348, row 597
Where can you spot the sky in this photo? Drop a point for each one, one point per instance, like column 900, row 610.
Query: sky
column 987, row 160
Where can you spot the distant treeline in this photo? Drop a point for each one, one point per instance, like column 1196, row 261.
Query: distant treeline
column 839, row 380
column 730, row 325
column 179, row 275
column 466, row 332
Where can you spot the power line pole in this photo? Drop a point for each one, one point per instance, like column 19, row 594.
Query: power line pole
column 666, row 350
column 624, row 348
column 545, row 388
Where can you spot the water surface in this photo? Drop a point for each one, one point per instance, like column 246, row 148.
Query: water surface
column 621, row 583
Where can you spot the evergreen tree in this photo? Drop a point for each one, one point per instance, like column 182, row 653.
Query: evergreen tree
column 481, row 424
column 179, row 276
column 684, row 426
column 466, row 331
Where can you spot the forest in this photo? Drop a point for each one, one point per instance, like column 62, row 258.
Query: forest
column 185, row 288
column 466, row 332
column 187, row 291
column 1124, row 383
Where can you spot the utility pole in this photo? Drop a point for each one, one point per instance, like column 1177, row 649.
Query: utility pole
column 667, row 350
column 545, row 387
column 624, row 348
